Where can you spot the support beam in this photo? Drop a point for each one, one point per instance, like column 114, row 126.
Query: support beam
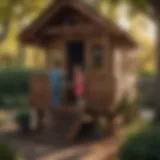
column 68, row 30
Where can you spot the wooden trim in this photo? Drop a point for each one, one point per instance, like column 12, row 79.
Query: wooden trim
column 41, row 20
column 79, row 29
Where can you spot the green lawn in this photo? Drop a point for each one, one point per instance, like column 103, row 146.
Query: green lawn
column 136, row 126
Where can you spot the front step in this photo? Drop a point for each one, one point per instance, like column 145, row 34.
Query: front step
column 68, row 122
column 63, row 125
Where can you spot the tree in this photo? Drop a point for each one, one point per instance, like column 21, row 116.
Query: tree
column 5, row 17
column 152, row 9
column 146, row 51
column 24, row 11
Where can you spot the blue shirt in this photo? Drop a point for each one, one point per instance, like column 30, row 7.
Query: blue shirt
column 56, row 78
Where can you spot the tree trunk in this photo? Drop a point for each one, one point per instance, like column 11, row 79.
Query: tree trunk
column 21, row 47
column 21, row 55
column 8, row 18
column 157, row 83
column 111, row 124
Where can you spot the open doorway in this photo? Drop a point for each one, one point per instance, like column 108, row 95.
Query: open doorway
column 75, row 57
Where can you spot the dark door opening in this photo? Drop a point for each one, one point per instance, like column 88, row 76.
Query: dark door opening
column 75, row 57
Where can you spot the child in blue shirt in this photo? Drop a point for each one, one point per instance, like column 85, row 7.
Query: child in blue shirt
column 56, row 78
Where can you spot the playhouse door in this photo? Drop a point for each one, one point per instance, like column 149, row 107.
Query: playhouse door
column 96, row 76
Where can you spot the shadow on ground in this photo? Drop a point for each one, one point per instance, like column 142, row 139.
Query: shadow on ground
column 48, row 147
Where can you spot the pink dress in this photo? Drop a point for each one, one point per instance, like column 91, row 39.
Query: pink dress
column 79, row 87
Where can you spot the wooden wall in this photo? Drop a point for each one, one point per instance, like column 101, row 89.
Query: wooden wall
column 55, row 51
column 100, row 84
column 125, row 72
column 40, row 91
column 105, row 86
column 118, row 75
column 130, row 72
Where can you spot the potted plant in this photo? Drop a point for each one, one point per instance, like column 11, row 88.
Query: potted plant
column 23, row 120
column 6, row 153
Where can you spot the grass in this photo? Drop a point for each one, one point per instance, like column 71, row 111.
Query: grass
column 136, row 126
column 3, row 118
column 20, row 157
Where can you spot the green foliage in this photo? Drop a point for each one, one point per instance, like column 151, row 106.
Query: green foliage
column 14, row 81
column 6, row 153
column 23, row 120
column 14, row 87
column 136, row 5
column 14, row 102
column 144, row 74
column 146, row 89
column 147, row 100
column 143, row 145
column 3, row 118
column 136, row 126
column 123, row 105
column 127, row 109
column 23, row 117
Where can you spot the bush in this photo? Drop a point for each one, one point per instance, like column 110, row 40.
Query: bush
column 8, row 102
column 23, row 120
column 14, row 86
column 22, row 116
column 127, row 109
column 142, row 146
column 146, row 74
column 14, row 81
column 6, row 153
column 147, row 100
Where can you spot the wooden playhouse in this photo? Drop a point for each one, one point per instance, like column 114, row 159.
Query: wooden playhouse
column 76, row 34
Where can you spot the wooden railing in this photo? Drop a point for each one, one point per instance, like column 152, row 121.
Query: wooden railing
column 40, row 91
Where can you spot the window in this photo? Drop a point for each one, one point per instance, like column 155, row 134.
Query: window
column 97, row 53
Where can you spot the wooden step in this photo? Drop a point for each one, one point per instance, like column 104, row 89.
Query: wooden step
column 68, row 121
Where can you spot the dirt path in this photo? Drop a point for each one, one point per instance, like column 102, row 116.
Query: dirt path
column 37, row 151
column 34, row 148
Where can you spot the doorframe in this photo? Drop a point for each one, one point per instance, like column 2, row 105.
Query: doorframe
column 84, row 42
column 83, row 52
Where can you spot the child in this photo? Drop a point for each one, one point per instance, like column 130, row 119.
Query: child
column 56, row 78
column 79, row 85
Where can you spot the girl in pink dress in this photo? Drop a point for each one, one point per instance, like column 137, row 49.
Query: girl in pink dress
column 79, row 86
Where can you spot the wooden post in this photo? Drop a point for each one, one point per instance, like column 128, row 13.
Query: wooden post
column 40, row 119
column 111, row 124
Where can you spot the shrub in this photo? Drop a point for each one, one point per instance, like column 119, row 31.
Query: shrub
column 22, row 116
column 127, row 109
column 14, row 86
column 146, row 74
column 142, row 146
column 23, row 120
column 6, row 153
column 8, row 101
column 123, row 105
column 14, row 81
